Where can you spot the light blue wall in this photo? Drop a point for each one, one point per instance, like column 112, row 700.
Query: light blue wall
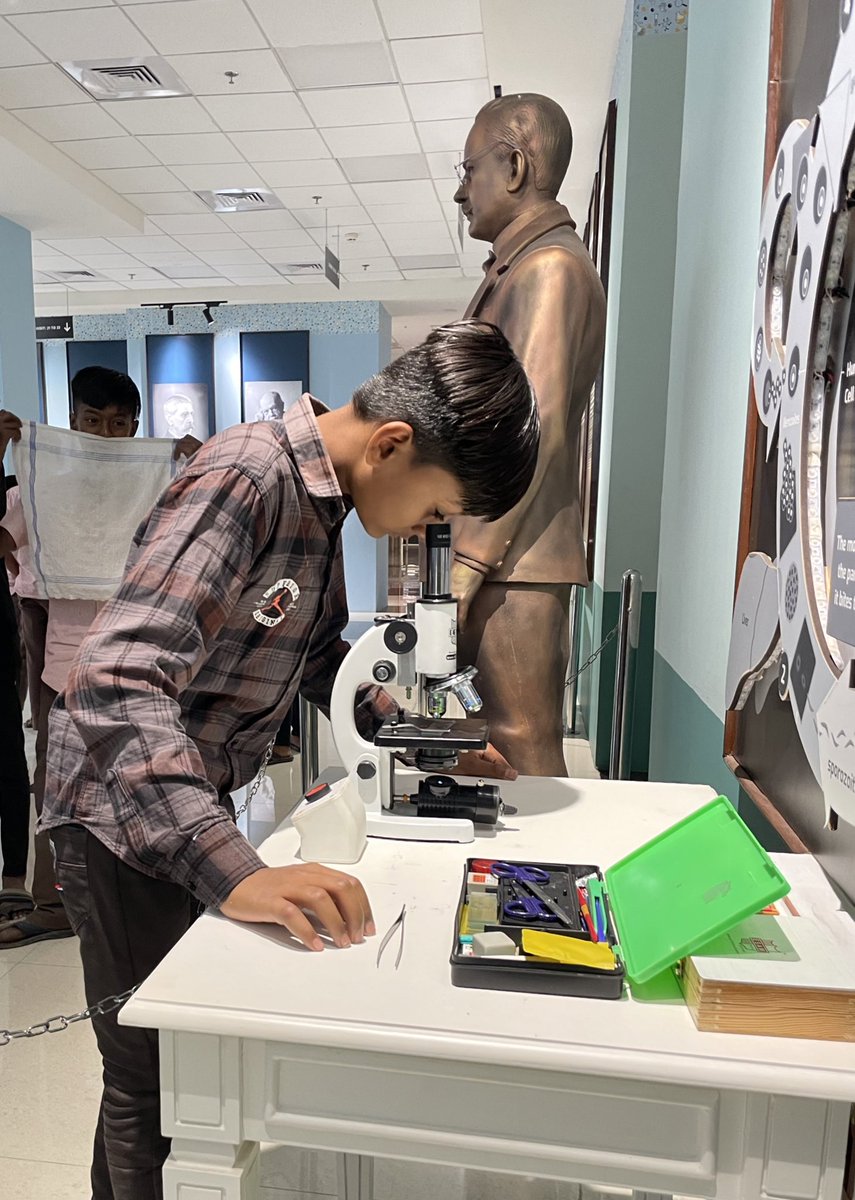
column 19, row 389
column 719, row 210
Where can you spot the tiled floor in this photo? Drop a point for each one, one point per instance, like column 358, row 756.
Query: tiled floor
column 49, row 1086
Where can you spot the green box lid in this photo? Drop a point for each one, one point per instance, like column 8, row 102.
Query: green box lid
column 688, row 885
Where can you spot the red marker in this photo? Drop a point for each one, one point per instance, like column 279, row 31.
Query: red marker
column 583, row 905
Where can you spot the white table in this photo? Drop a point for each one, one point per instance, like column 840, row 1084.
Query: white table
column 261, row 1041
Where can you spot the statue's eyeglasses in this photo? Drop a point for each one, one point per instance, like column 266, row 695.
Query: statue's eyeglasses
column 463, row 169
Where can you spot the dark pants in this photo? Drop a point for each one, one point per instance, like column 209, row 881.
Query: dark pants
column 34, row 619
column 126, row 922
column 14, row 778
column 49, row 911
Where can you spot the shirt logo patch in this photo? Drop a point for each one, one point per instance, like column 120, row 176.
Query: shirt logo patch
column 278, row 600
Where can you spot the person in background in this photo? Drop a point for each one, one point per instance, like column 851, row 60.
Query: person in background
column 14, row 776
column 105, row 403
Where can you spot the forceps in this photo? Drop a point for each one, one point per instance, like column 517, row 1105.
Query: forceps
column 397, row 924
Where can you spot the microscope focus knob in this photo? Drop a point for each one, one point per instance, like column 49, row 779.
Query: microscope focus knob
column 384, row 672
column 366, row 770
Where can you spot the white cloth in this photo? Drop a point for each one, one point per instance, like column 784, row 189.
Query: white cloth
column 83, row 498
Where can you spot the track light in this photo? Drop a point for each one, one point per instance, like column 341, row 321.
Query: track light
column 206, row 313
column 170, row 314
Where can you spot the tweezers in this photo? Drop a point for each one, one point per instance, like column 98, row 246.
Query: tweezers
column 397, row 924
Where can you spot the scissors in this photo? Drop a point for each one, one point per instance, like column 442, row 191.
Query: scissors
column 529, row 908
column 503, row 870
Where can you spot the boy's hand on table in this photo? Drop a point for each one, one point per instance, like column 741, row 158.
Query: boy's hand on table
column 10, row 429
column 282, row 895
column 486, row 764
column 186, row 447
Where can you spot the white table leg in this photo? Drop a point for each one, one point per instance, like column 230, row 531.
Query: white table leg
column 355, row 1177
column 211, row 1171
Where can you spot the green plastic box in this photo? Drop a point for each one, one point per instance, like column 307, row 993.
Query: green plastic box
column 688, row 885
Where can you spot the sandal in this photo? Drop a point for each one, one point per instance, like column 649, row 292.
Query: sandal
column 15, row 902
column 31, row 933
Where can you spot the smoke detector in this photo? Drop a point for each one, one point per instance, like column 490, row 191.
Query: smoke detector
column 231, row 200
column 126, row 78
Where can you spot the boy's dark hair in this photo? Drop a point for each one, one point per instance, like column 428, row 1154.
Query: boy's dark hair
column 100, row 387
column 471, row 408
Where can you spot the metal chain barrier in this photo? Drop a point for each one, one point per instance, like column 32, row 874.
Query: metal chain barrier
column 592, row 658
column 58, row 1024
column 111, row 1003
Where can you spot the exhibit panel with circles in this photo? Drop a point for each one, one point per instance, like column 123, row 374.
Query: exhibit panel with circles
column 803, row 373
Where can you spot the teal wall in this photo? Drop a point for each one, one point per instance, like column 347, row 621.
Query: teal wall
column 649, row 86
column 19, row 389
column 719, row 209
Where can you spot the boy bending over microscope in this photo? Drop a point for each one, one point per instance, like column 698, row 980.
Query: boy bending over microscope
column 232, row 601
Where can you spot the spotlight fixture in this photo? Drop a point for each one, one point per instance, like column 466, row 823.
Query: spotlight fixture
column 170, row 306
column 206, row 313
column 170, row 314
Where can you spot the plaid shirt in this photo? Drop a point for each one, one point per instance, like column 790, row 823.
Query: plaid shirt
column 232, row 599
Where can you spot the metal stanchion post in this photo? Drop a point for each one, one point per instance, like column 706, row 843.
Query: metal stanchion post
column 629, row 630
column 309, row 762
column 572, row 690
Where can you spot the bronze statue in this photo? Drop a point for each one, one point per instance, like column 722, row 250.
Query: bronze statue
column 513, row 577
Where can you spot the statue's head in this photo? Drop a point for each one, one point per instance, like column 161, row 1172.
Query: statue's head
column 516, row 156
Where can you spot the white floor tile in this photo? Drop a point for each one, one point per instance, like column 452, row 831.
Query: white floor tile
column 61, row 952
column 24, row 1179
column 50, row 1086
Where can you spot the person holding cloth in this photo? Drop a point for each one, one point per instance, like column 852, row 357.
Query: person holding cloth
column 232, row 602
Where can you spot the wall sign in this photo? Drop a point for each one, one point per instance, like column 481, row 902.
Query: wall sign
column 54, row 327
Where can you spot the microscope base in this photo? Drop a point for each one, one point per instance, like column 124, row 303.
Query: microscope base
column 418, row 829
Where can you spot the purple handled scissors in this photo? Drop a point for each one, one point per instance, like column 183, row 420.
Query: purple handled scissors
column 529, row 908
column 503, row 870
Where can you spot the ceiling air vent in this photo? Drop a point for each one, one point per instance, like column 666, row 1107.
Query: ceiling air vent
column 126, row 78
column 80, row 276
column 304, row 268
column 230, row 200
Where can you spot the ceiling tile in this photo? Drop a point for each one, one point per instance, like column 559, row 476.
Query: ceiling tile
column 356, row 141
column 457, row 99
column 15, row 50
column 153, row 244
column 193, row 26
column 179, row 149
column 311, row 172
column 111, row 262
column 91, row 286
column 335, row 195
column 417, row 230
column 108, row 152
column 207, row 281
column 83, row 34
column 444, row 135
column 277, row 220
column 430, row 20
column 264, row 281
column 219, row 176
column 408, row 191
column 297, row 23
column 265, row 239
column 55, row 262
column 66, row 121
column 262, row 110
column 159, row 203
column 367, row 243
column 421, row 262
column 75, row 247
column 258, row 270
column 425, row 60
column 140, row 179
column 313, row 218
column 175, row 114
column 372, row 276
column 379, row 167
column 147, row 285
column 441, row 164
column 280, row 145
column 199, row 223
column 37, row 87
column 181, row 263
column 140, row 273
column 343, row 65
column 197, row 242
column 14, row 7
column 257, row 71
column 434, row 273
column 232, row 258
column 394, row 214
column 357, row 106
column 356, row 266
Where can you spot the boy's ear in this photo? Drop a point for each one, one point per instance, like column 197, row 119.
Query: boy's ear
column 72, row 420
column 388, row 439
column 135, row 427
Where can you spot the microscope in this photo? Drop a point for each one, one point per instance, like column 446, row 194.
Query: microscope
column 417, row 652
